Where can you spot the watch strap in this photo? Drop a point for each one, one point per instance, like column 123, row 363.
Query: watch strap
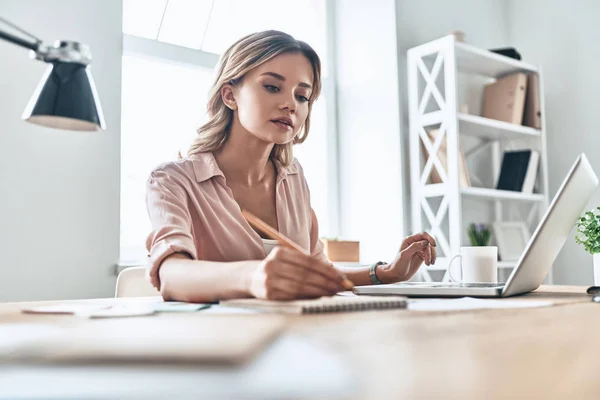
column 373, row 273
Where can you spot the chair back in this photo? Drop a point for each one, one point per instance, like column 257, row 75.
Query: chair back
column 132, row 282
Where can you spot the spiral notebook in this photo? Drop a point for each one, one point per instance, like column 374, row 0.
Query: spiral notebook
column 321, row 305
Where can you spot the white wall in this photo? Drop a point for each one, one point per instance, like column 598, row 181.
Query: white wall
column 59, row 190
column 420, row 21
column 369, row 127
column 562, row 37
column 372, row 40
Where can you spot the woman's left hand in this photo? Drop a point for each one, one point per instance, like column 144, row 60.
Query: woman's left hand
column 415, row 250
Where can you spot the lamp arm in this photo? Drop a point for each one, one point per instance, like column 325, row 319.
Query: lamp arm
column 19, row 42
column 9, row 37
column 63, row 51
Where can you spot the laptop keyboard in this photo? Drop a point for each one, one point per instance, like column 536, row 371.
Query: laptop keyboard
column 480, row 285
column 452, row 284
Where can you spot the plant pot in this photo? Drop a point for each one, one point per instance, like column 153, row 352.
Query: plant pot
column 597, row 269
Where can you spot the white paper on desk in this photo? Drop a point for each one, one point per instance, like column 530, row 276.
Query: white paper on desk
column 64, row 308
column 471, row 303
column 118, row 312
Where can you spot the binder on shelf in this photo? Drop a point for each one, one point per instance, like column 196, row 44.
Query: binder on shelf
column 434, row 176
column 532, row 114
column 519, row 171
column 504, row 99
column 532, row 171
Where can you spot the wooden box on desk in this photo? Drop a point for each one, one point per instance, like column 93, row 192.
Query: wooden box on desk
column 342, row 250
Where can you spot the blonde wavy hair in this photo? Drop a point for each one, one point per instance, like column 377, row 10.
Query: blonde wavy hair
column 244, row 55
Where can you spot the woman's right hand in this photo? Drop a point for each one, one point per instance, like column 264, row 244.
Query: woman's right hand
column 287, row 274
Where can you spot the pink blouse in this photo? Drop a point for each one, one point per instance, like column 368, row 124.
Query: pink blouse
column 192, row 210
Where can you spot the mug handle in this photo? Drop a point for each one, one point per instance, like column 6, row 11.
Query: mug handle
column 450, row 267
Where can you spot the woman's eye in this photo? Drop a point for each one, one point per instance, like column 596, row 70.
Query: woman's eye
column 272, row 88
column 303, row 99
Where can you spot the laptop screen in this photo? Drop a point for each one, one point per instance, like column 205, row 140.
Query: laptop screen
column 554, row 228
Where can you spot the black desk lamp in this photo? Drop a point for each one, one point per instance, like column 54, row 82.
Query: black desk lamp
column 66, row 97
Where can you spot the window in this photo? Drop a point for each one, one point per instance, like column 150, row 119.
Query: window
column 162, row 105
column 213, row 25
column 170, row 50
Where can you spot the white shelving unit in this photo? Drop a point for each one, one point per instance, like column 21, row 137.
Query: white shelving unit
column 432, row 79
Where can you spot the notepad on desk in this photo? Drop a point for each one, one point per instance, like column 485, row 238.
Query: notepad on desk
column 320, row 305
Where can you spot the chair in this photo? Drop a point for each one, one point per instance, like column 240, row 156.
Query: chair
column 132, row 282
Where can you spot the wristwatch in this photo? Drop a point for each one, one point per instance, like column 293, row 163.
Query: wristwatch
column 373, row 273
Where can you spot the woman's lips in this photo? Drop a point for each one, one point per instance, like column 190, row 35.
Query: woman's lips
column 282, row 125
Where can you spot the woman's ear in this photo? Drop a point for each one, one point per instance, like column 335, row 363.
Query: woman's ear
column 228, row 97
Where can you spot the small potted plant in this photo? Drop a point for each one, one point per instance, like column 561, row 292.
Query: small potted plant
column 588, row 229
column 479, row 234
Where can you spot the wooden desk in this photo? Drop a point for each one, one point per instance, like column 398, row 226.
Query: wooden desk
column 513, row 353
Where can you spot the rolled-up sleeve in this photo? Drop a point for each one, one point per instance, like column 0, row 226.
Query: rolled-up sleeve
column 170, row 220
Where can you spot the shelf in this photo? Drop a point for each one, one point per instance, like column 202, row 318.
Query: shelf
column 486, row 128
column 494, row 194
column 473, row 125
column 439, row 189
column 507, row 264
column 483, row 62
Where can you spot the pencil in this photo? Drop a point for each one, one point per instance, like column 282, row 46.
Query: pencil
column 282, row 239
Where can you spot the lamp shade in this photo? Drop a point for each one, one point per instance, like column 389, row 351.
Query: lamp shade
column 66, row 98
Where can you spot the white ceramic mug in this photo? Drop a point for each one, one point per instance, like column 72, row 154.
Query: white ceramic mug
column 479, row 264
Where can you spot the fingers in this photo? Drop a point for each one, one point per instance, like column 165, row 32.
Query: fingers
column 422, row 236
column 414, row 265
column 430, row 239
column 296, row 289
column 416, row 247
column 427, row 255
column 298, row 259
column 415, row 250
column 430, row 253
column 290, row 274
column 302, row 277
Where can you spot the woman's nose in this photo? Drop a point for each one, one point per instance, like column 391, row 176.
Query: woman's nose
column 289, row 103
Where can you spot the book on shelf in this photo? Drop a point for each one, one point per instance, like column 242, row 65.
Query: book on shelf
column 507, row 52
column 532, row 114
column 434, row 176
column 504, row 99
column 519, row 171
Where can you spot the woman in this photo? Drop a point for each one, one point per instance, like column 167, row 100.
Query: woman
column 201, row 247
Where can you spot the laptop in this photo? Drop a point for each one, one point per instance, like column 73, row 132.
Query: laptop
column 539, row 254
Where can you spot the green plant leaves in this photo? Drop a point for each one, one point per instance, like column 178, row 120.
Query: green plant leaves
column 479, row 234
column 588, row 229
